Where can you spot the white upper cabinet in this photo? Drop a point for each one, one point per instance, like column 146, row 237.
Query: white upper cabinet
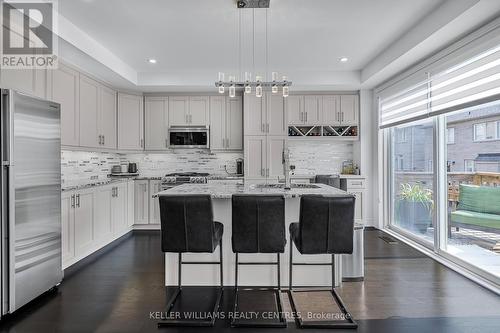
column 156, row 123
column 254, row 113
column 349, row 109
column 264, row 115
column 304, row 110
column 178, row 107
column 312, row 110
column 276, row 118
column 295, row 109
column 65, row 90
column 189, row 111
column 97, row 110
column 234, row 123
column 331, row 110
column 107, row 117
column 217, row 122
column 89, row 114
column 130, row 122
column 198, row 111
column 226, row 123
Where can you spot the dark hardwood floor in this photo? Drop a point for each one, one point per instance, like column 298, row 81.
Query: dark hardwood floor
column 116, row 289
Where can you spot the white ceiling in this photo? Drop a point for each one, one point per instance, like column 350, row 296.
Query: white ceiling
column 194, row 39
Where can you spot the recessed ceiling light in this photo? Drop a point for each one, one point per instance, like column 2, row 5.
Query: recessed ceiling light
column 344, row 59
column 152, row 61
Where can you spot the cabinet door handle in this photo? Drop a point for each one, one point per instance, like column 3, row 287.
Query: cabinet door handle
column 267, row 129
column 78, row 200
column 103, row 139
column 267, row 172
column 342, row 118
column 262, row 172
column 72, row 201
column 141, row 142
column 166, row 143
column 300, row 116
column 306, row 116
column 116, row 192
column 263, row 126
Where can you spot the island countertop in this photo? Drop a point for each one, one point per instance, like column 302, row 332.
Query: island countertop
column 225, row 191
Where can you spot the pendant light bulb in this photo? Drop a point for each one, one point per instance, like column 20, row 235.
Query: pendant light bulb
column 221, row 89
column 274, row 89
column 286, row 91
column 258, row 91
column 232, row 91
column 248, row 89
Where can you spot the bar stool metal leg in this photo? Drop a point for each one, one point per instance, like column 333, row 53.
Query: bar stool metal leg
column 173, row 298
column 277, row 293
column 349, row 323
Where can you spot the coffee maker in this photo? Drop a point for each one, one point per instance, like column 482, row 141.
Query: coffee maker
column 239, row 167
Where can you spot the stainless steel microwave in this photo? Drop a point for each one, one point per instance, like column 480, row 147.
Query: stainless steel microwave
column 188, row 137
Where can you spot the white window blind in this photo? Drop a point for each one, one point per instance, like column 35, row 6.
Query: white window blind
column 469, row 75
column 405, row 104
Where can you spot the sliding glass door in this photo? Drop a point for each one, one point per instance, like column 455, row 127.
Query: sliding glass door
column 473, row 181
column 412, row 179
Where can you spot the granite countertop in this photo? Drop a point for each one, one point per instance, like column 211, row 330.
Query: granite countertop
column 101, row 183
column 225, row 191
column 225, row 177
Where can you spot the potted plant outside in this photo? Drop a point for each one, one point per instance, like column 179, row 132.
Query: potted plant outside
column 414, row 207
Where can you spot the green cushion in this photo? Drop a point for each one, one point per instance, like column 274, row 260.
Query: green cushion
column 479, row 219
column 481, row 199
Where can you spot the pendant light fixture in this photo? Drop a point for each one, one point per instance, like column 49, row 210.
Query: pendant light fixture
column 246, row 85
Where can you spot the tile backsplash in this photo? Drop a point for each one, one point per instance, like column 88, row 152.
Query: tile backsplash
column 79, row 167
column 319, row 157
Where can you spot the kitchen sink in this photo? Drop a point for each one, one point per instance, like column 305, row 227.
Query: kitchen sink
column 281, row 185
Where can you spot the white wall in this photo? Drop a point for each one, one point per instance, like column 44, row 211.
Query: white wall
column 368, row 154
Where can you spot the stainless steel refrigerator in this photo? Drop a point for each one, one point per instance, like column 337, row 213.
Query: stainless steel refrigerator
column 30, row 198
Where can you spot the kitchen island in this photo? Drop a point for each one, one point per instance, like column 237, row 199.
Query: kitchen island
column 251, row 275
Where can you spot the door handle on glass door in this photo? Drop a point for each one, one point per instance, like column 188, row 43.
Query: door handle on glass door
column 72, row 201
column 78, row 200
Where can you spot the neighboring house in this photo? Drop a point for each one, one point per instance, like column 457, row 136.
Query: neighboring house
column 473, row 142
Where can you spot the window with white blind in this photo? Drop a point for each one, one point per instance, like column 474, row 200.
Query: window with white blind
column 469, row 75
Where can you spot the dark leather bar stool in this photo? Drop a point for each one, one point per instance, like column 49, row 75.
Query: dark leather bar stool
column 258, row 224
column 326, row 226
column 187, row 226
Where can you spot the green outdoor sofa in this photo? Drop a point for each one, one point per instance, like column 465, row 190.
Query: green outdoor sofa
column 478, row 208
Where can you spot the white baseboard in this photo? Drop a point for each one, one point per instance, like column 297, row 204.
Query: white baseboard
column 146, row 226
column 96, row 247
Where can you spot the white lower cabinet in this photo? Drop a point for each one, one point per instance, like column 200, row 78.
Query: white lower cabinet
column 356, row 187
column 119, row 208
column 68, row 226
column 84, row 221
column 147, row 208
column 93, row 218
column 141, row 201
column 154, row 204
column 130, row 203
